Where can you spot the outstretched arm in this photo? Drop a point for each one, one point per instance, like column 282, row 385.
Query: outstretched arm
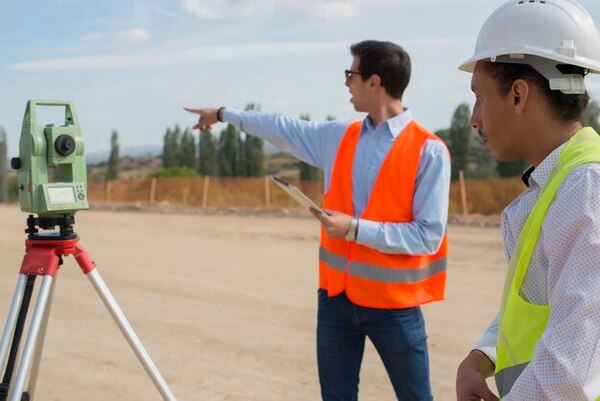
column 315, row 143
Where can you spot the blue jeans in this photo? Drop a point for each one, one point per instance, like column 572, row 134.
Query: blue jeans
column 397, row 334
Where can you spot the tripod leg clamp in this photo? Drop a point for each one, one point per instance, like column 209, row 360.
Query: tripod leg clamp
column 83, row 259
column 40, row 261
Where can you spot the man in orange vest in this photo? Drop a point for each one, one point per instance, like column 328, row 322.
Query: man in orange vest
column 383, row 241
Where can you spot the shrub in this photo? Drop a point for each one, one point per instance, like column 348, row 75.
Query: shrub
column 174, row 172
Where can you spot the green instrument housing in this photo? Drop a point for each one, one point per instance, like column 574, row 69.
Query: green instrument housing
column 52, row 176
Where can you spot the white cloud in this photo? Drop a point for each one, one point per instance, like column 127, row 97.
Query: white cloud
column 320, row 9
column 325, row 9
column 162, row 11
column 212, row 9
column 126, row 36
column 170, row 57
column 92, row 37
column 133, row 35
column 202, row 10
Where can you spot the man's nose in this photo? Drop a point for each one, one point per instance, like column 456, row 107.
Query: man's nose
column 474, row 122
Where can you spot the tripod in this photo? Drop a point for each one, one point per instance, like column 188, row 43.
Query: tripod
column 43, row 256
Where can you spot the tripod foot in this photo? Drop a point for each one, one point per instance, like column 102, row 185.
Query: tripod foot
column 4, row 393
column 127, row 331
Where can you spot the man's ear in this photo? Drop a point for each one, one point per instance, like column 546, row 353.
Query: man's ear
column 375, row 81
column 519, row 93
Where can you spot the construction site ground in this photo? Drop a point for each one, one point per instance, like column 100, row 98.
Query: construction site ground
column 226, row 306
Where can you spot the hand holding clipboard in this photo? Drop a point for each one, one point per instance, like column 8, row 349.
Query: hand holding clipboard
column 295, row 193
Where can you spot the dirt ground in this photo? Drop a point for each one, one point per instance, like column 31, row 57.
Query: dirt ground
column 226, row 307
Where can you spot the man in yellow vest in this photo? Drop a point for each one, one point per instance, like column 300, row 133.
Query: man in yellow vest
column 383, row 244
column 528, row 78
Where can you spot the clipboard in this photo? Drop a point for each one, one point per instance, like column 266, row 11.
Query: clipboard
column 295, row 193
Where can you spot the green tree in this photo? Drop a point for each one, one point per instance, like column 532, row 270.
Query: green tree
column 309, row 172
column 241, row 155
column 229, row 152
column 176, row 146
column 444, row 135
column 253, row 156
column 179, row 148
column 591, row 116
column 512, row 169
column 112, row 171
column 207, row 154
column 178, row 171
column 187, row 150
column 482, row 162
column 3, row 167
column 169, row 155
column 459, row 139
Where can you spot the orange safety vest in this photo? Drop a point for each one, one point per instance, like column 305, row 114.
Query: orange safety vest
column 371, row 278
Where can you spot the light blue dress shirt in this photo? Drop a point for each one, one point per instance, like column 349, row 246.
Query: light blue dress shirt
column 317, row 143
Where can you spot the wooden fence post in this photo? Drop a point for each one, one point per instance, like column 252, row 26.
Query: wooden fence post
column 463, row 192
column 153, row 190
column 267, row 192
column 205, row 192
column 108, row 190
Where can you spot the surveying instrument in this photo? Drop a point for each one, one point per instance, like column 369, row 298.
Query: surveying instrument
column 52, row 184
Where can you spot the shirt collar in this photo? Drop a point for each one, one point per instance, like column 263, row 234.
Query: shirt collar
column 394, row 126
column 541, row 173
column 527, row 175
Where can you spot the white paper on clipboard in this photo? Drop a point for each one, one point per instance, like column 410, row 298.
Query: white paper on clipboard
column 296, row 194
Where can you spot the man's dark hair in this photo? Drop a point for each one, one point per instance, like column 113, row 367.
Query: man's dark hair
column 387, row 60
column 566, row 108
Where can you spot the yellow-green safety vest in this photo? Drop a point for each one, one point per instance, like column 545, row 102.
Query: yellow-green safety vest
column 522, row 323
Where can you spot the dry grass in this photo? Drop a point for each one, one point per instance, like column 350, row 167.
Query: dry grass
column 484, row 197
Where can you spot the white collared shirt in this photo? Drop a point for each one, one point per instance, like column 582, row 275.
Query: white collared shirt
column 564, row 273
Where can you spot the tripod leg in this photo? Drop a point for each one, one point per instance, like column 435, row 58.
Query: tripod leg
column 11, row 321
column 32, row 337
column 14, row 329
column 35, row 368
column 132, row 338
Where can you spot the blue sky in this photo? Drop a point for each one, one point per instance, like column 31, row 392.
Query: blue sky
column 131, row 65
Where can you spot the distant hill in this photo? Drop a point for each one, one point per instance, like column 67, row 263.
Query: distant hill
column 145, row 150
column 146, row 163
column 140, row 161
column 131, row 151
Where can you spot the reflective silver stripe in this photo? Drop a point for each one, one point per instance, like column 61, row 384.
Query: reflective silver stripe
column 382, row 274
column 507, row 377
column 334, row 261
column 405, row 275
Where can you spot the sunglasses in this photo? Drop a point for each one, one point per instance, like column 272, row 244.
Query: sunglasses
column 349, row 73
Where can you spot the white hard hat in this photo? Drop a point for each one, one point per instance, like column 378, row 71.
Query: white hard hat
column 542, row 34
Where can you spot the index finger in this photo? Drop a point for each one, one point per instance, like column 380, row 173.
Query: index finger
column 195, row 111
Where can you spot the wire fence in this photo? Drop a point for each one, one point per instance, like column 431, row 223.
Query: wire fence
column 477, row 197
